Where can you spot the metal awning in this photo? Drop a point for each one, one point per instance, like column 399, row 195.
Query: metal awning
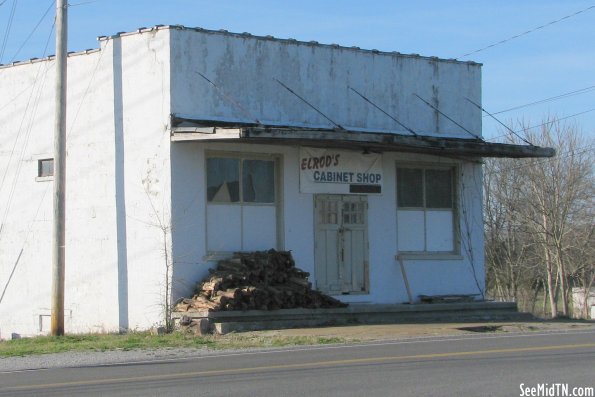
column 184, row 129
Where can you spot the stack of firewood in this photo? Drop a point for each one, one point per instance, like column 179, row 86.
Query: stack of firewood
column 263, row 280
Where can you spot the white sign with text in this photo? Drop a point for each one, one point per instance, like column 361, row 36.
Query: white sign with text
column 334, row 171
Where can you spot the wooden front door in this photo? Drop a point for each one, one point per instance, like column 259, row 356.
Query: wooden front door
column 341, row 243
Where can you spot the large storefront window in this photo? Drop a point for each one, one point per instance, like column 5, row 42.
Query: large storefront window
column 426, row 209
column 241, row 203
column 223, row 180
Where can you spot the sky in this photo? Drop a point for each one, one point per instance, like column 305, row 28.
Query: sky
column 544, row 52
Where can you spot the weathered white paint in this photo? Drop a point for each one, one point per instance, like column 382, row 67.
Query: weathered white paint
column 136, row 201
column 245, row 68
column 117, row 159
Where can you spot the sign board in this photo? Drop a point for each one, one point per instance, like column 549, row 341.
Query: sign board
column 333, row 171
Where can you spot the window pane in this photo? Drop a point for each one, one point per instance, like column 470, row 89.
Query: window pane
column 409, row 187
column 224, row 227
column 263, row 217
column 258, row 181
column 329, row 212
column 439, row 231
column 411, row 230
column 438, row 189
column 45, row 167
column 223, row 180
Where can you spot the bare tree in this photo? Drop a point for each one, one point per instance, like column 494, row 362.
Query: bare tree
column 540, row 216
column 162, row 221
column 507, row 248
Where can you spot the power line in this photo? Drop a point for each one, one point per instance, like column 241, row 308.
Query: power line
column 85, row 94
column 567, row 154
column 550, row 99
column 8, row 27
column 447, row 117
column 11, row 100
column 24, row 243
column 527, row 32
column 83, row 3
column 28, row 130
column 543, row 124
column 76, row 114
column 37, row 76
column 47, row 187
column 501, row 123
column 33, row 31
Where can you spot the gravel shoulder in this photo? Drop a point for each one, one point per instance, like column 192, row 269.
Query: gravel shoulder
column 350, row 334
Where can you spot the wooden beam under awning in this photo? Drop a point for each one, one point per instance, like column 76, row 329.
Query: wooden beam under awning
column 345, row 139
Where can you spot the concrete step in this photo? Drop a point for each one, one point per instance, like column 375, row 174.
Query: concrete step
column 254, row 320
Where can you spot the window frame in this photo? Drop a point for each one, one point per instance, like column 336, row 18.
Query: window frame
column 241, row 157
column 277, row 160
column 44, row 177
column 455, row 200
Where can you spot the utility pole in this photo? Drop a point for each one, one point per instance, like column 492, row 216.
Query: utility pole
column 58, row 237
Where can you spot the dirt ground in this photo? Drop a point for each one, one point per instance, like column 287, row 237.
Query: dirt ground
column 366, row 333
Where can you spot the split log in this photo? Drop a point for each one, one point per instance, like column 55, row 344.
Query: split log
column 231, row 293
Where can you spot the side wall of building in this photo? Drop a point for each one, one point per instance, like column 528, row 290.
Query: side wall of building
column 27, row 122
column 118, row 189
column 142, row 175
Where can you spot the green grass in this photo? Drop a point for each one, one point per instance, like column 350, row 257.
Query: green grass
column 144, row 340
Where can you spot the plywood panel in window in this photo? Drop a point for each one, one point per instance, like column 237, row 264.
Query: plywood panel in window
column 410, row 230
column 259, row 225
column 439, row 226
column 224, row 228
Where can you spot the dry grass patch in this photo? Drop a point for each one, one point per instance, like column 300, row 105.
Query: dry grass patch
column 144, row 340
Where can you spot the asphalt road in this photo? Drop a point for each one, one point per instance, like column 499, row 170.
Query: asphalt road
column 494, row 365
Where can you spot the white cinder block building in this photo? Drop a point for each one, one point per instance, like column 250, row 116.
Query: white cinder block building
column 185, row 145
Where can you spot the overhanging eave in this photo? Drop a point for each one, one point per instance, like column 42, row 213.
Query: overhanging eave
column 384, row 142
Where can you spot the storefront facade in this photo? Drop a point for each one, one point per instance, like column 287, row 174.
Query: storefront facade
column 186, row 145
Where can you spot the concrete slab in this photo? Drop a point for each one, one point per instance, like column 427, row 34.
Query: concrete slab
column 234, row 321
